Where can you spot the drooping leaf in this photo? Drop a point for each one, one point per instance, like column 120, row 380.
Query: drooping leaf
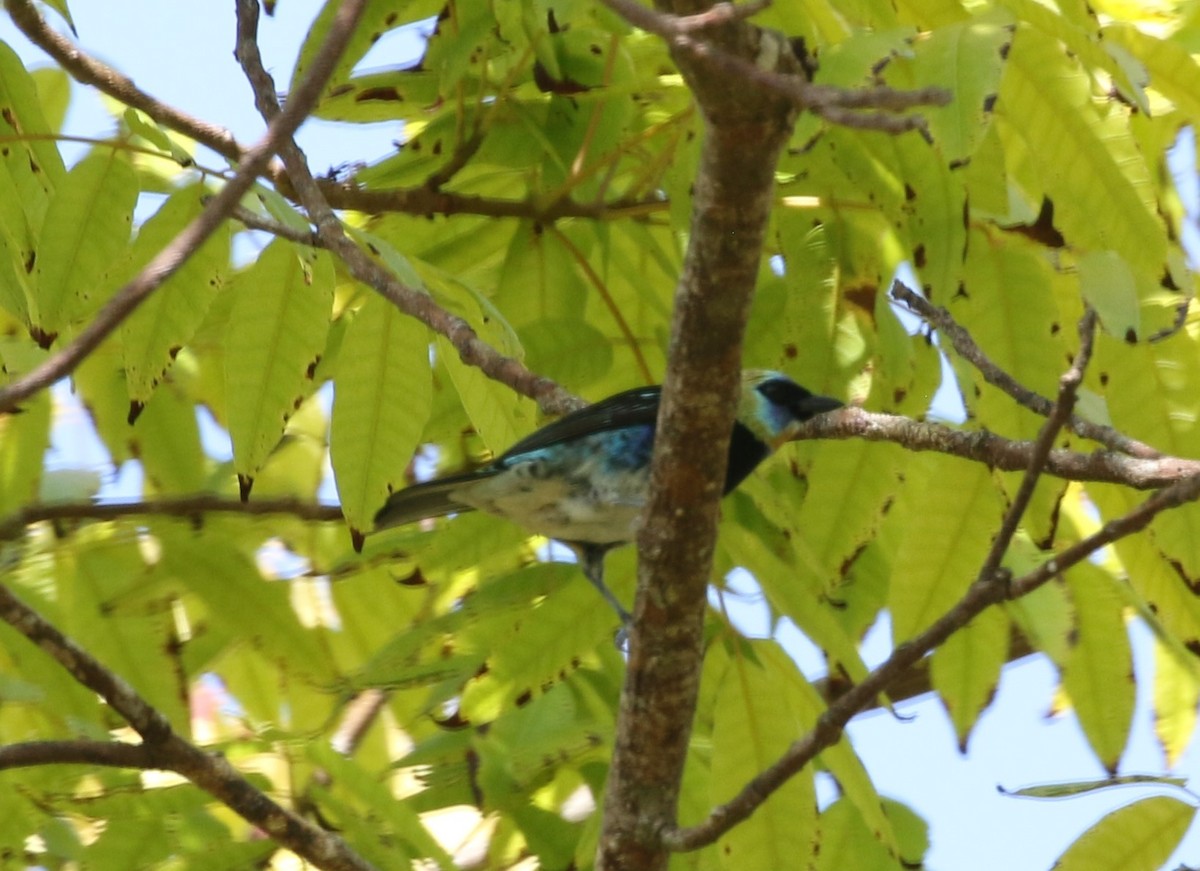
column 1099, row 673
column 755, row 719
column 945, row 522
column 84, row 232
column 276, row 333
column 154, row 333
column 966, row 669
column 381, row 402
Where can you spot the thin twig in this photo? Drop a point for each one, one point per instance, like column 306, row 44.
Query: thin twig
column 268, row 225
column 981, row 595
column 88, row 70
column 965, row 346
column 425, row 201
column 717, row 14
column 828, row 101
column 191, row 507
column 1007, row 455
column 458, row 160
column 1060, row 413
column 473, row 350
column 110, row 754
column 185, row 243
column 1177, row 324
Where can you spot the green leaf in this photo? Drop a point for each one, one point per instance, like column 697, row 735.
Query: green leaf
column 382, row 398
column 96, row 580
column 1008, row 307
column 276, row 334
column 499, row 416
column 30, row 165
column 537, row 646
column 1109, row 286
column 966, row 669
column 1099, row 672
column 237, row 597
column 54, row 91
column 368, row 794
column 1176, row 698
column 376, row 20
column 847, row 843
column 757, row 715
column 539, row 279
column 60, row 6
column 945, row 517
column 1172, row 69
column 966, row 58
column 86, row 229
column 24, row 439
column 836, row 521
column 1088, row 164
column 154, row 333
column 166, row 438
column 1137, row 837
column 1075, row 788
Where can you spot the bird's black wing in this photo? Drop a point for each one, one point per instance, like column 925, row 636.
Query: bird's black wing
column 634, row 407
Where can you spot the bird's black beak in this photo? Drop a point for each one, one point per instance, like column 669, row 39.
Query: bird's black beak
column 811, row 406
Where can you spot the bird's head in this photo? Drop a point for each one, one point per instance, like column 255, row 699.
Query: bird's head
column 773, row 406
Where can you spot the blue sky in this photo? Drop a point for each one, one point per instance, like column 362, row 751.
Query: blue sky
column 183, row 53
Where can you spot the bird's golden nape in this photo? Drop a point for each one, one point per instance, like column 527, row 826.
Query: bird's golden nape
column 584, row 479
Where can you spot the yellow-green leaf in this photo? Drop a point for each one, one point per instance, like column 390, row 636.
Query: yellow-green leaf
column 382, row 396
column 153, row 334
column 945, row 518
column 1087, row 162
column 1176, row 697
column 1137, row 837
column 1099, row 672
column 276, row 334
column 498, row 415
column 756, row 718
column 967, row 59
column 85, row 230
column 30, row 165
column 966, row 669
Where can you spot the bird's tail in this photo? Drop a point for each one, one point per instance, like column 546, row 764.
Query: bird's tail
column 421, row 501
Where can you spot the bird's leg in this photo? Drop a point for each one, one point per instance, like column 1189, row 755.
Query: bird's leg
column 591, row 559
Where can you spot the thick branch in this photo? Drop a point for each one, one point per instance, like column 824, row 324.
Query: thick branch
column 745, row 131
column 985, row 592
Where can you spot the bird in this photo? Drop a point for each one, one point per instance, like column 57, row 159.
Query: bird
column 584, row 479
